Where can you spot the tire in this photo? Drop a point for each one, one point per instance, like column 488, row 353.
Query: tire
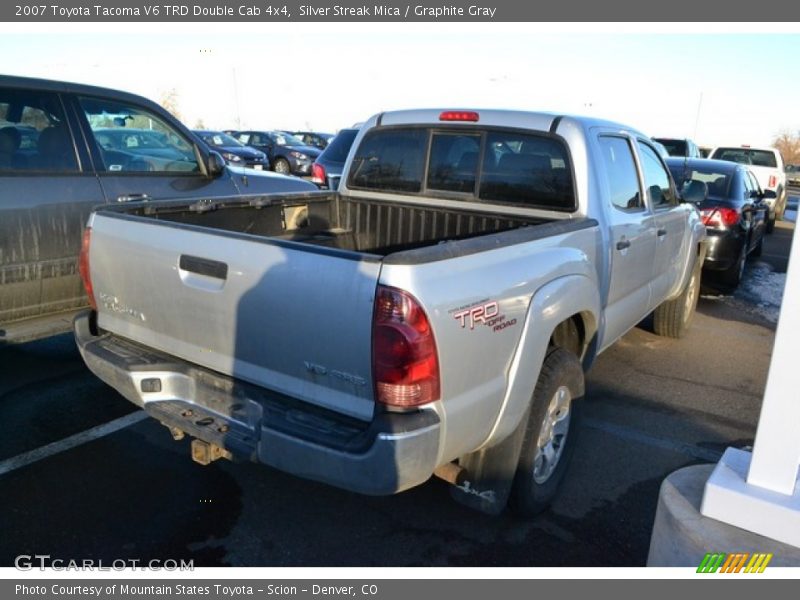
column 282, row 166
column 549, row 440
column 770, row 223
column 729, row 278
column 672, row 318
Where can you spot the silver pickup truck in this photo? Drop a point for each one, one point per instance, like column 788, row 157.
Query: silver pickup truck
column 436, row 315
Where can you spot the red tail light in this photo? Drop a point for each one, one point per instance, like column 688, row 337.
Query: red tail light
column 773, row 181
column 83, row 267
column 405, row 365
column 720, row 217
column 459, row 115
column 318, row 175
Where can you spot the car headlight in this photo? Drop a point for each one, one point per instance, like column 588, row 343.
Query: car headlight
column 298, row 155
column 231, row 157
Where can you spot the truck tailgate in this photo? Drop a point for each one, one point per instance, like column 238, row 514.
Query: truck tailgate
column 290, row 317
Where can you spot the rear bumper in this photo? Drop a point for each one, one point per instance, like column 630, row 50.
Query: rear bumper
column 394, row 452
column 723, row 249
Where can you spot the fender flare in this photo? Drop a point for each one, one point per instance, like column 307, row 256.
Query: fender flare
column 552, row 304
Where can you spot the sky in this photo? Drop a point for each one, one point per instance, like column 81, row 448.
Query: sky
column 712, row 87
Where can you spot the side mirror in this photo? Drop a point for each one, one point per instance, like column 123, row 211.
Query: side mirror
column 695, row 192
column 215, row 164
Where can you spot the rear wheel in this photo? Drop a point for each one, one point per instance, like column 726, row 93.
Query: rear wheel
column 771, row 222
column 729, row 278
column 550, row 433
column 672, row 318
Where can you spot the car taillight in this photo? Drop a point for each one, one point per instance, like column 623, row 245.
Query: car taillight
column 318, row 174
column 405, row 365
column 83, row 266
column 459, row 115
column 773, row 181
column 720, row 217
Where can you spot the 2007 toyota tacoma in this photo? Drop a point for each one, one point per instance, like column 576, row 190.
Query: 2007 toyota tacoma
column 436, row 315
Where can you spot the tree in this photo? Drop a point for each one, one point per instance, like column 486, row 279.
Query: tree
column 169, row 100
column 788, row 144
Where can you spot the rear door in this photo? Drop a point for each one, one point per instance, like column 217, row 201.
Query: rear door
column 632, row 236
column 47, row 190
column 161, row 164
column 671, row 221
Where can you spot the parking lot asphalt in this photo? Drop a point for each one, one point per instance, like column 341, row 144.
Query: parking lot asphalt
column 652, row 406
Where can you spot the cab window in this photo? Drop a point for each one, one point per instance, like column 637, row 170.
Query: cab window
column 622, row 182
column 131, row 139
column 656, row 179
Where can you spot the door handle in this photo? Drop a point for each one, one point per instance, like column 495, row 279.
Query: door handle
column 623, row 244
column 661, row 232
column 133, row 198
column 204, row 266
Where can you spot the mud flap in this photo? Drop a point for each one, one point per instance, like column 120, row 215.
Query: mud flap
column 485, row 484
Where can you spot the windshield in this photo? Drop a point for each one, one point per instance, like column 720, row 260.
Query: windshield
column 220, row 139
column 674, row 147
column 747, row 156
column 285, row 139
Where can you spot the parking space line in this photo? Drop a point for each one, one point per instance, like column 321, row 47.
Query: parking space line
column 641, row 437
column 84, row 437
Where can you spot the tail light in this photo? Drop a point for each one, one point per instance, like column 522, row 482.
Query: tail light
column 720, row 217
column 405, row 365
column 83, row 267
column 318, row 175
column 773, row 181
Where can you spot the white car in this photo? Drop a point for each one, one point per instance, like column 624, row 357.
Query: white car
column 767, row 165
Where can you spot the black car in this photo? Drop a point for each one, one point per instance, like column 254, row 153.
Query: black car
column 327, row 169
column 287, row 154
column 233, row 151
column 733, row 211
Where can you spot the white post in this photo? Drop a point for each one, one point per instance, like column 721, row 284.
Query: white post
column 761, row 492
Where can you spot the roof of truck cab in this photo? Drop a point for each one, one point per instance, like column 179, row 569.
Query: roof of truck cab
column 542, row 121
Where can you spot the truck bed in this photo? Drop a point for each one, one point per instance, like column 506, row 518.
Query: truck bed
column 367, row 226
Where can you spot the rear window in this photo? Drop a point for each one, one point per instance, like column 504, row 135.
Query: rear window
column 503, row 167
column 718, row 183
column 674, row 147
column 747, row 156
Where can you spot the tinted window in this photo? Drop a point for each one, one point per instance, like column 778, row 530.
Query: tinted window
column 454, row 162
column 339, row 148
column 746, row 156
column 34, row 135
column 718, row 183
column 390, row 160
column 526, row 169
column 656, row 178
column 132, row 139
column 674, row 147
column 623, row 182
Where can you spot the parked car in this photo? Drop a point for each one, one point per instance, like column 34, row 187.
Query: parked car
column 233, row 151
column 733, row 210
column 767, row 165
column 470, row 267
column 680, row 147
column 793, row 175
column 287, row 154
column 328, row 167
column 59, row 157
column 313, row 138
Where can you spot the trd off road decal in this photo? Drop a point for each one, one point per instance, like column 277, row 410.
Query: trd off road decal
column 485, row 313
